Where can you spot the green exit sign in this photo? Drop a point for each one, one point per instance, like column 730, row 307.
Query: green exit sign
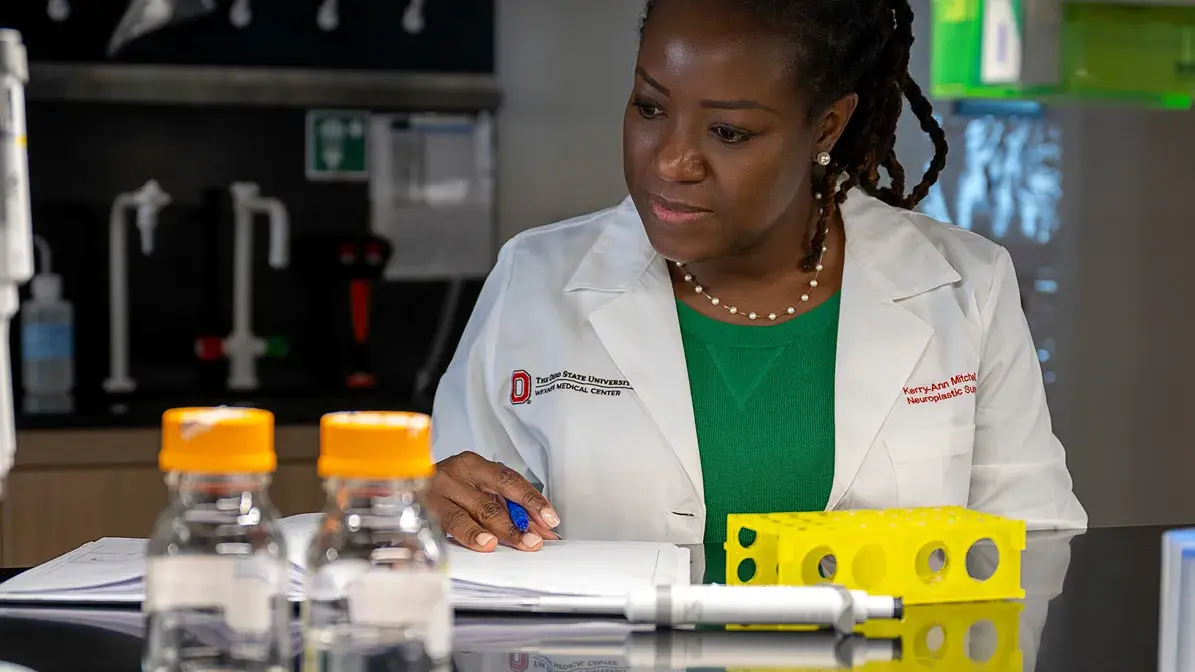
column 337, row 145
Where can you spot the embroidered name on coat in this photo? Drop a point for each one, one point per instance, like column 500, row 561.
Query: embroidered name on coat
column 955, row 386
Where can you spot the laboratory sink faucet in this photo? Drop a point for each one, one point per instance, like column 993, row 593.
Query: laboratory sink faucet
column 147, row 202
column 242, row 348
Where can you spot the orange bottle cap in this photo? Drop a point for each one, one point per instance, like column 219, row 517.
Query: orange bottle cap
column 218, row 440
column 376, row 445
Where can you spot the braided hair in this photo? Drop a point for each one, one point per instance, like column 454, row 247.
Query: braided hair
column 862, row 47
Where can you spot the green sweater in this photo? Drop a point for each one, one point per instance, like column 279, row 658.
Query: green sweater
column 763, row 399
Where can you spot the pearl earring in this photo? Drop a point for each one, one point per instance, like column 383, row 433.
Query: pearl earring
column 823, row 158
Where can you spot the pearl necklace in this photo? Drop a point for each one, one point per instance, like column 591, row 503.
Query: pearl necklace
column 733, row 310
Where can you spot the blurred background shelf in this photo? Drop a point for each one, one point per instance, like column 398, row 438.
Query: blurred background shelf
column 270, row 87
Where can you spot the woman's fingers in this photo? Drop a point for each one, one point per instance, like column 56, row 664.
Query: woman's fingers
column 545, row 533
column 490, row 514
column 469, row 494
column 457, row 522
column 500, row 479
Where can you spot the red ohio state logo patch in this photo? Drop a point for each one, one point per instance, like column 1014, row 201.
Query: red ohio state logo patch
column 520, row 387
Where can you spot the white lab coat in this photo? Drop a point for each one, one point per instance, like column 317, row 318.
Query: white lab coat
column 571, row 370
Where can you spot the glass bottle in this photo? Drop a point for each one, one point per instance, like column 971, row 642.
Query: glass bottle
column 217, row 575
column 377, row 586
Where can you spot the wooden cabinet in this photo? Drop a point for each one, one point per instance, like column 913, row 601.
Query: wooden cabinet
column 74, row 486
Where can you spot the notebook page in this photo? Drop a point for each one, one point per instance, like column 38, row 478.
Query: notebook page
column 560, row 568
column 109, row 562
column 589, row 568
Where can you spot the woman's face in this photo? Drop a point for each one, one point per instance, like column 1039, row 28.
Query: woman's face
column 717, row 146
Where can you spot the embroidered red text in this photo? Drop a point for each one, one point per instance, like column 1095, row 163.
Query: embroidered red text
column 955, row 386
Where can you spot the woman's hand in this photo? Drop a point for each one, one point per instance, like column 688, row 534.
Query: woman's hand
column 468, row 496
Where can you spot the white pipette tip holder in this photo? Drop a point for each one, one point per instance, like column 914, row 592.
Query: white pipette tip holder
column 147, row 202
column 16, row 226
column 242, row 348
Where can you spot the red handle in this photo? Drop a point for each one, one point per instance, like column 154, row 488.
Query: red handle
column 359, row 300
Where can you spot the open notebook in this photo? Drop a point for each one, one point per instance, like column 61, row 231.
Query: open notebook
column 112, row 570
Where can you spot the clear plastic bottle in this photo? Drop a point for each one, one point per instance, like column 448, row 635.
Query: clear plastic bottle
column 377, row 585
column 47, row 347
column 217, row 577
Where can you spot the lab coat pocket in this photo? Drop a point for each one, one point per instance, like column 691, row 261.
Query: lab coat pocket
column 933, row 468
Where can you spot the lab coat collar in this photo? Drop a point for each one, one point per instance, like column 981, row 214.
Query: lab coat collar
column 896, row 256
column 892, row 250
column 888, row 258
column 620, row 255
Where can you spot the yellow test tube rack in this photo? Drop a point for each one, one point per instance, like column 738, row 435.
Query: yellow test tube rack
column 924, row 555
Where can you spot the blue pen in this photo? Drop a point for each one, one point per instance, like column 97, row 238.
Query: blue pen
column 518, row 516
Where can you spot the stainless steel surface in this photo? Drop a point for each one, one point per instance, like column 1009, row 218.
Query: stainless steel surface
column 194, row 85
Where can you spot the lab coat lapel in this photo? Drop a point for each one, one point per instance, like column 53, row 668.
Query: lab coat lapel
column 640, row 332
column 638, row 328
column 879, row 341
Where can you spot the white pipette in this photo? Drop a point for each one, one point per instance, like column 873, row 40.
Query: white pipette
column 823, row 606
column 16, row 227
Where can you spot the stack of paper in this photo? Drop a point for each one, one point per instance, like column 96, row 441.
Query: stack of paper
column 108, row 571
column 123, row 621
column 470, row 633
column 112, row 571
column 565, row 568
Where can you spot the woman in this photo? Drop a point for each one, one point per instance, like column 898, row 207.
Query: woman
column 763, row 325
